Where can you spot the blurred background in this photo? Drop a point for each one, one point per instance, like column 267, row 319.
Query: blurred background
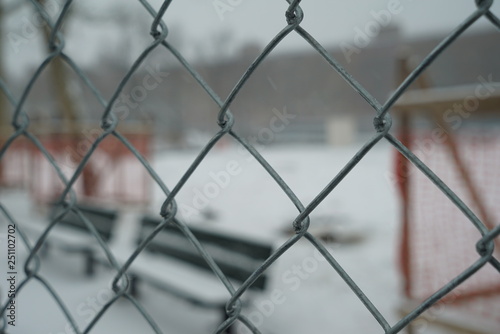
column 221, row 41
column 295, row 109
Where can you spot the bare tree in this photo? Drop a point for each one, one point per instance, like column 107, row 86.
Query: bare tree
column 65, row 99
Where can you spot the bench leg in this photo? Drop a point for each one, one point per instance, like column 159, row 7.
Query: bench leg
column 134, row 286
column 89, row 264
column 231, row 329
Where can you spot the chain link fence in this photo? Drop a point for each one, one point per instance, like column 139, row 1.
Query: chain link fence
column 382, row 122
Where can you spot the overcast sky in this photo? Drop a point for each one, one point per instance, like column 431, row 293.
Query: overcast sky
column 202, row 27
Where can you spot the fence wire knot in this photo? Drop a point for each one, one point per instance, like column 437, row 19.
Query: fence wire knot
column 383, row 124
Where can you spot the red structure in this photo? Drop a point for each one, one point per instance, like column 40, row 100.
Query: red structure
column 112, row 174
column 438, row 241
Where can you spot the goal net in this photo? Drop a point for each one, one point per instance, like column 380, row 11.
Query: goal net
column 438, row 240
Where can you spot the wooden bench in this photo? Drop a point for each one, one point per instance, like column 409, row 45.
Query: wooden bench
column 72, row 235
column 171, row 263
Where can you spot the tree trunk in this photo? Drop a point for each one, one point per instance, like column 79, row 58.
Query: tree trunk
column 66, row 102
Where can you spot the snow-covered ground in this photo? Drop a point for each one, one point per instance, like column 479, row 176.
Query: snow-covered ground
column 231, row 192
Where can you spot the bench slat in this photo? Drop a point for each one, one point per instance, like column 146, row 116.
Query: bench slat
column 102, row 219
column 238, row 258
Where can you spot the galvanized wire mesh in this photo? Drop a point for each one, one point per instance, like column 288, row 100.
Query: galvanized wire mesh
column 382, row 131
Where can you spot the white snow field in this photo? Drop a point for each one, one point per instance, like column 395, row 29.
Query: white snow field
column 362, row 211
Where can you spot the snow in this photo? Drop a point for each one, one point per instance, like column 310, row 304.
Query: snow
column 305, row 294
